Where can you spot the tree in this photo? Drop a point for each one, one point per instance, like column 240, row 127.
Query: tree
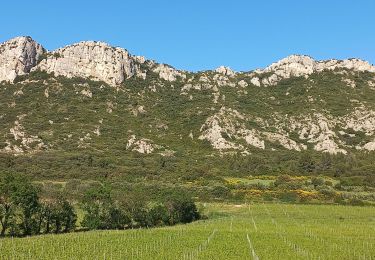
column 188, row 211
column 95, row 202
column 317, row 181
column 134, row 207
column 6, row 202
column 69, row 217
column 18, row 195
column 25, row 196
column 22, row 213
column 325, row 162
column 158, row 215
column 116, row 219
column 101, row 211
column 181, row 208
column 59, row 216
column 306, row 163
column 45, row 216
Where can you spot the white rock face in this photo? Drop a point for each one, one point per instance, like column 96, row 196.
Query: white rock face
column 95, row 60
column 361, row 119
column 86, row 93
column 223, row 81
column 251, row 138
column 144, row 146
column 285, row 141
column 228, row 124
column 18, row 56
column 299, row 65
column 370, row 146
column 168, row 73
column 88, row 59
column 317, row 129
column 351, row 64
column 225, row 71
column 214, row 135
column 294, row 65
column 242, row 84
column 255, row 81
column 28, row 143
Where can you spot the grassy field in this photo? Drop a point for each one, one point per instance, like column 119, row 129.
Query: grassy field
column 256, row 231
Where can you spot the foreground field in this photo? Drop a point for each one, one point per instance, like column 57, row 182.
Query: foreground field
column 256, row 231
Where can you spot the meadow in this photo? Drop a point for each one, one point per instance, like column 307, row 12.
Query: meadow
column 248, row 231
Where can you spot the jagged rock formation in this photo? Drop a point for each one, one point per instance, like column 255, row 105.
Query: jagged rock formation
column 225, row 71
column 142, row 145
column 18, row 56
column 300, row 65
column 90, row 59
column 167, row 72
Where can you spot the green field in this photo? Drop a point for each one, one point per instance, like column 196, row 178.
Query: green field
column 256, row 231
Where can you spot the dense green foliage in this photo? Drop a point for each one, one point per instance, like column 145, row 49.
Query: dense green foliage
column 105, row 212
column 24, row 213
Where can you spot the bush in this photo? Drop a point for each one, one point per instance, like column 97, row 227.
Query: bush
column 317, row 181
column 102, row 211
column 356, row 202
column 288, row 196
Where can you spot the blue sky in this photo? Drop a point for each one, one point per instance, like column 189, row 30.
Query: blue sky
column 198, row 35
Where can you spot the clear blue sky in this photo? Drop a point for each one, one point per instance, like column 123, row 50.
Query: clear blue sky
column 198, row 35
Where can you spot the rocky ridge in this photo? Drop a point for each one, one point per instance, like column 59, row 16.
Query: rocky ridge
column 88, row 59
column 113, row 65
column 303, row 66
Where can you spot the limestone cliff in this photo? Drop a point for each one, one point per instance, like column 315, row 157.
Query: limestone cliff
column 18, row 56
column 95, row 60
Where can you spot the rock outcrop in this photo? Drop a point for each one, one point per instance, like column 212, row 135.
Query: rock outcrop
column 94, row 60
column 226, row 126
column 225, row 71
column 20, row 141
column 18, row 56
column 167, row 72
column 144, row 146
column 300, row 65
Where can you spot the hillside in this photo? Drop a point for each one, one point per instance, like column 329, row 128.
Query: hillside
column 89, row 111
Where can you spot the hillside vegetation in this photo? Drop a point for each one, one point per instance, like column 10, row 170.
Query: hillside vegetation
column 90, row 114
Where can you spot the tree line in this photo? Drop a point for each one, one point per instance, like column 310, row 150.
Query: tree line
column 23, row 212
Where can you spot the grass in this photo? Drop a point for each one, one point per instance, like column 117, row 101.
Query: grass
column 264, row 231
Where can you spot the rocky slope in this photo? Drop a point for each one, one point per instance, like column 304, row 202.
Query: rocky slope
column 109, row 100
